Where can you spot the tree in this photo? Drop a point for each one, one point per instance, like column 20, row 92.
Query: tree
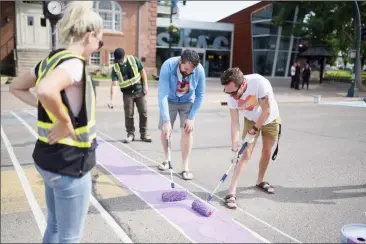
column 330, row 24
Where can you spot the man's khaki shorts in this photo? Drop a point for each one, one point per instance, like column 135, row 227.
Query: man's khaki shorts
column 269, row 130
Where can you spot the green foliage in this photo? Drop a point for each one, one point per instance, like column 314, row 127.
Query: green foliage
column 342, row 74
column 323, row 23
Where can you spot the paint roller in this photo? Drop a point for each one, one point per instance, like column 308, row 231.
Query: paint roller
column 172, row 196
column 205, row 208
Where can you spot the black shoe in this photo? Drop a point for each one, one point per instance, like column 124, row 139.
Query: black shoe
column 146, row 138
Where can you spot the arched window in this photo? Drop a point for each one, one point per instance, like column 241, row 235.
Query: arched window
column 111, row 13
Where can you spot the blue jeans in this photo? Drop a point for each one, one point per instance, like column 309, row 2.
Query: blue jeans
column 67, row 201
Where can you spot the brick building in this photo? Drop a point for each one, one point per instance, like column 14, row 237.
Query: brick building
column 259, row 45
column 26, row 35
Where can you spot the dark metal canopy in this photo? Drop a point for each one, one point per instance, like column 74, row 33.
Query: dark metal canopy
column 316, row 52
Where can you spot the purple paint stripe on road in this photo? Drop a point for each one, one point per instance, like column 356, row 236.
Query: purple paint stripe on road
column 219, row 227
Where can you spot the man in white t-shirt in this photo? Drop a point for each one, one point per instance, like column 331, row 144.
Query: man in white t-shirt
column 251, row 96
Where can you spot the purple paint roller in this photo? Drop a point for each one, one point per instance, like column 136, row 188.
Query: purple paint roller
column 205, row 208
column 172, row 196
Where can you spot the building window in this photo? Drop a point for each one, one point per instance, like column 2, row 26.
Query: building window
column 263, row 14
column 30, row 20
column 111, row 13
column 264, row 42
column 281, row 63
column 263, row 62
column 95, row 58
column 111, row 58
column 264, row 28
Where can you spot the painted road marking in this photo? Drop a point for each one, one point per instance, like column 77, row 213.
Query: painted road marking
column 195, row 227
column 37, row 212
column 13, row 199
column 198, row 186
column 12, row 196
column 202, row 188
column 109, row 220
column 361, row 104
column 218, row 228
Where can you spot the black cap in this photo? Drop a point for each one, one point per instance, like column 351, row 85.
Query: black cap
column 119, row 54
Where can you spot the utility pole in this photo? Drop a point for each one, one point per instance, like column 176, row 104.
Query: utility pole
column 173, row 6
column 170, row 33
column 353, row 90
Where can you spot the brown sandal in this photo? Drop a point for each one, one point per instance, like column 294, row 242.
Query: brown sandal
column 230, row 201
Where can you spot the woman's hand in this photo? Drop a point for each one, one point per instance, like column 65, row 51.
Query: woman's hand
column 61, row 130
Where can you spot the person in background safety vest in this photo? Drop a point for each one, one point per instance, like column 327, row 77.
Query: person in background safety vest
column 129, row 74
column 64, row 153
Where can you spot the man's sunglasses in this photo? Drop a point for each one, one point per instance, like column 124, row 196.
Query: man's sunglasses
column 233, row 93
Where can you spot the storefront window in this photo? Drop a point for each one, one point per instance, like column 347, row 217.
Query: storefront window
column 281, row 64
column 264, row 13
column 264, row 42
column 196, row 38
column 216, row 63
column 285, row 43
column 264, row 28
column 263, row 62
column 163, row 54
column 266, row 35
column 295, row 46
column 213, row 47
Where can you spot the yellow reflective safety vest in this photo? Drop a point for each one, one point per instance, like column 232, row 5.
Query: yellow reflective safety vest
column 136, row 75
column 68, row 156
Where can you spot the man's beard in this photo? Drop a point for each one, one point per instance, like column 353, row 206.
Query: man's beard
column 184, row 74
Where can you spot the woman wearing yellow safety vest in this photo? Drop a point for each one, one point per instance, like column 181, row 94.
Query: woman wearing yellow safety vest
column 64, row 153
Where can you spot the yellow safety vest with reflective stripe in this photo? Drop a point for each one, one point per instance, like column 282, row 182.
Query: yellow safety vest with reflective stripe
column 136, row 75
column 85, row 126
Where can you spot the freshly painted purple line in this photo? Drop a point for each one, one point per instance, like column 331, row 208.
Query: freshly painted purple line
column 150, row 186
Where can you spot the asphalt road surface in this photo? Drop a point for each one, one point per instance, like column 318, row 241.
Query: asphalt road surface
column 319, row 177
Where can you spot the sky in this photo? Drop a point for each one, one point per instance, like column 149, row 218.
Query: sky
column 211, row 11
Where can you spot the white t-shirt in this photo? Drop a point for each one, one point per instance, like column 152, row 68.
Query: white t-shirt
column 182, row 84
column 248, row 104
column 74, row 68
column 293, row 70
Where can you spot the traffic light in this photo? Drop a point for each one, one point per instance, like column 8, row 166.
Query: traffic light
column 184, row 3
column 363, row 34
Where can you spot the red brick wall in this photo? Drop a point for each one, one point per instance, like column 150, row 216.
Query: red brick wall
column 128, row 39
column 242, row 50
column 148, row 34
column 7, row 36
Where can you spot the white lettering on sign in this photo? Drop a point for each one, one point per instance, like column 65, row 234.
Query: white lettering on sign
column 220, row 42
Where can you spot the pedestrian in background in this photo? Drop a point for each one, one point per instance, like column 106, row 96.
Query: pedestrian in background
column 306, row 76
column 297, row 76
column 129, row 74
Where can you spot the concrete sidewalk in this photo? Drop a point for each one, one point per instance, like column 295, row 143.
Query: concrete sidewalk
column 329, row 92
column 215, row 95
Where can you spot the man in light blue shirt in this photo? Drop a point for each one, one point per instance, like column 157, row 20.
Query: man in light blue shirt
column 182, row 84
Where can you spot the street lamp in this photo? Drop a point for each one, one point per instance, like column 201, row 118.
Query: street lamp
column 353, row 90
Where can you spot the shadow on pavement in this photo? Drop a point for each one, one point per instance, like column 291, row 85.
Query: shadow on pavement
column 309, row 195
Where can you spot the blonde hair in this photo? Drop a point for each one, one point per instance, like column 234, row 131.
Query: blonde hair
column 78, row 19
